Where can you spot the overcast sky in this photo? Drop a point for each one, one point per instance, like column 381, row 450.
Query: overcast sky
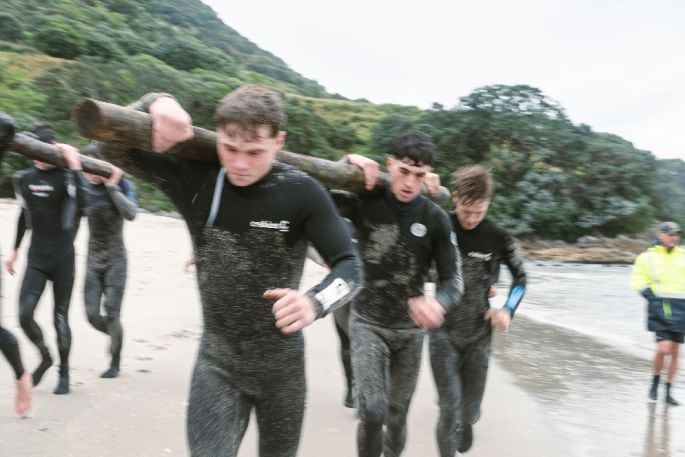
column 616, row 65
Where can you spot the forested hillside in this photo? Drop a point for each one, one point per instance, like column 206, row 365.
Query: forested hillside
column 555, row 179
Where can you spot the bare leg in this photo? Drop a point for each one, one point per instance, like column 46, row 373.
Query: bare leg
column 673, row 366
column 22, row 401
column 658, row 359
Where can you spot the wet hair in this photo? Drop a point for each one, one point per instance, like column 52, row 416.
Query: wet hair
column 472, row 183
column 43, row 132
column 249, row 107
column 416, row 146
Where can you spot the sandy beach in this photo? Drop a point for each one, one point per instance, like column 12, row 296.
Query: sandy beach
column 142, row 413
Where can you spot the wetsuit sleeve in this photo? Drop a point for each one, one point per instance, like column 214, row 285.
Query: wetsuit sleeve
column 124, row 198
column 74, row 201
column 513, row 261
column 329, row 236
column 449, row 284
column 21, row 229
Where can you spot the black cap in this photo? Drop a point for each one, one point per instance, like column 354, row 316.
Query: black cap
column 44, row 133
column 669, row 227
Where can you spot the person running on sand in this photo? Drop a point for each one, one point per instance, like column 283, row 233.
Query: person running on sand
column 250, row 220
column 51, row 200
column 110, row 201
column 659, row 275
column 460, row 349
column 400, row 234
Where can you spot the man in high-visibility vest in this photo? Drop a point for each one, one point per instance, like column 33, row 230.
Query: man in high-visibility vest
column 659, row 275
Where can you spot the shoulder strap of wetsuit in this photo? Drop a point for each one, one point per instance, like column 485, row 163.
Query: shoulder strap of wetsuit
column 216, row 199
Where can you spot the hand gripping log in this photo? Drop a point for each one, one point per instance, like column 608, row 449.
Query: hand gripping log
column 37, row 150
column 103, row 121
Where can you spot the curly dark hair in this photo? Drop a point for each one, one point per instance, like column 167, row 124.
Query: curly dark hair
column 414, row 145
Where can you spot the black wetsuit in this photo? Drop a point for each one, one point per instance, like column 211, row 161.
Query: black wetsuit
column 247, row 240
column 10, row 349
column 460, row 349
column 398, row 243
column 51, row 201
column 107, row 208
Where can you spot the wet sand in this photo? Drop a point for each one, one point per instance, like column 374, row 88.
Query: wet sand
column 142, row 413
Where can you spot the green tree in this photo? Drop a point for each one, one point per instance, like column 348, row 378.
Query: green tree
column 11, row 29
column 59, row 37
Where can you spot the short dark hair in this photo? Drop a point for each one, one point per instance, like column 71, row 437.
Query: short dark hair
column 250, row 107
column 414, row 145
column 472, row 183
column 43, row 132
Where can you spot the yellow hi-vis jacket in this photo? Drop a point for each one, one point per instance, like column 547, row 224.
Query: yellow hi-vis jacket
column 659, row 275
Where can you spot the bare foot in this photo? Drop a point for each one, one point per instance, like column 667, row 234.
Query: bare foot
column 22, row 402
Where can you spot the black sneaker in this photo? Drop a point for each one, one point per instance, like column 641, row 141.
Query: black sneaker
column 62, row 386
column 671, row 401
column 653, row 391
column 465, row 432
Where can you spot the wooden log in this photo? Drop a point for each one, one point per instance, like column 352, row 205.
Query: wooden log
column 37, row 150
column 104, row 121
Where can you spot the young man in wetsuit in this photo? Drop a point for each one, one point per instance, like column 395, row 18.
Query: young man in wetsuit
column 400, row 234
column 250, row 220
column 109, row 202
column 51, row 200
column 659, row 275
column 460, row 349
column 8, row 343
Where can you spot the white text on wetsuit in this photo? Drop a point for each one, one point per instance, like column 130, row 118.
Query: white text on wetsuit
column 283, row 226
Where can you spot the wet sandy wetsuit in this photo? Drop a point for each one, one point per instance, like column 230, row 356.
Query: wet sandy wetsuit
column 51, row 204
column 247, row 240
column 460, row 349
column 107, row 207
column 398, row 243
column 9, row 346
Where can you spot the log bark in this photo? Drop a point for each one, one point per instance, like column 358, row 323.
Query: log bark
column 37, row 150
column 104, row 121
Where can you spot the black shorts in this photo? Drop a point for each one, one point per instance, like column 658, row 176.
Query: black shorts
column 667, row 335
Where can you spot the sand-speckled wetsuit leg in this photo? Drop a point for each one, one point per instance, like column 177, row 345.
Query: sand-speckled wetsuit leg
column 341, row 318
column 386, row 366
column 460, row 372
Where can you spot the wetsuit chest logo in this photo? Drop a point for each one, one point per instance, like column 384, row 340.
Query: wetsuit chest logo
column 484, row 256
column 418, row 229
column 41, row 190
column 282, row 226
